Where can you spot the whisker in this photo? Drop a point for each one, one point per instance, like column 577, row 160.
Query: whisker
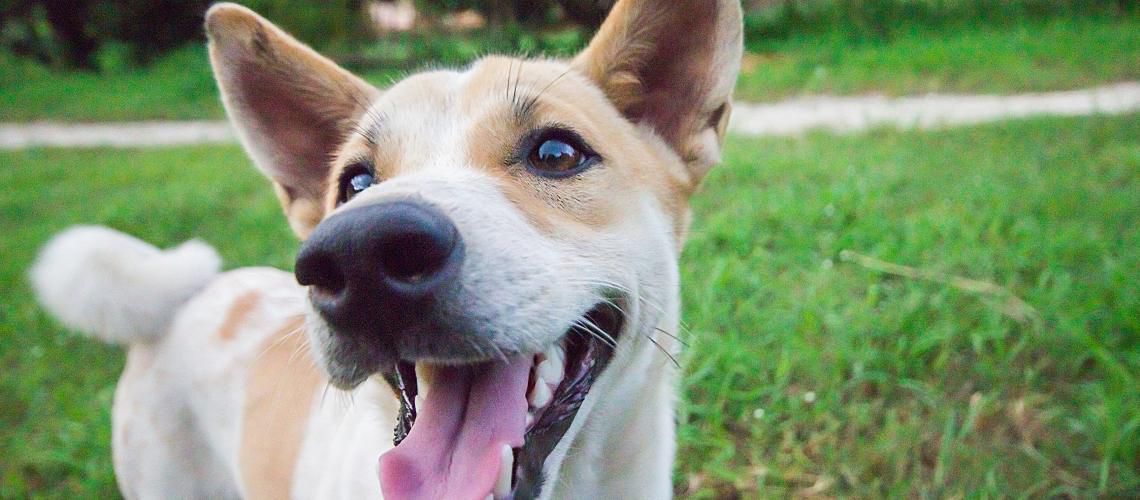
column 597, row 332
column 650, row 337
column 277, row 342
column 298, row 353
column 664, row 351
column 510, row 72
column 529, row 104
column 499, row 353
column 672, row 336
column 643, row 300
column 325, row 392
column 624, row 289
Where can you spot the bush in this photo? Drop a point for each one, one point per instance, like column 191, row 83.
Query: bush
column 589, row 13
column 84, row 33
column 881, row 20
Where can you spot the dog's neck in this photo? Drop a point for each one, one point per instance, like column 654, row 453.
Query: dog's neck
column 630, row 453
column 625, row 449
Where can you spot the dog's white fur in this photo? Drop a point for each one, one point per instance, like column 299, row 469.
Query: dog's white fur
column 129, row 289
column 221, row 397
column 179, row 404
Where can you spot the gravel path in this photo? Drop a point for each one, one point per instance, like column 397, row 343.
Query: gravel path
column 791, row 117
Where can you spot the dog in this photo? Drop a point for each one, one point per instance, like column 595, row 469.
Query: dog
column 485, row 300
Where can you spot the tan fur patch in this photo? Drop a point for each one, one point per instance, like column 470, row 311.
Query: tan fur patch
column 511, row 99
column 237, row 314
column 279, row 395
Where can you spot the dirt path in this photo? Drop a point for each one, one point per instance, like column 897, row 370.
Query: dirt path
column 115, row 135
column 791, row 117
column 852, row 114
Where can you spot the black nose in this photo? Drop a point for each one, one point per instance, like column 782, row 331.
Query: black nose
column 378, row 266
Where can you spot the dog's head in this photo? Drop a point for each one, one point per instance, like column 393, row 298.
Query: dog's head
column 499, row 243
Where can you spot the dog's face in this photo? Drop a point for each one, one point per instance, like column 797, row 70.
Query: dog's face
column 497, row 242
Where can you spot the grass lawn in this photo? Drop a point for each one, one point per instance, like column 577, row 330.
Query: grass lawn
column 1035, row 56
column 810, row 372
column 1048, row 54
column 805, row 372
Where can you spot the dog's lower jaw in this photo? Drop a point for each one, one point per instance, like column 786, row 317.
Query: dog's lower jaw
column 626, row 451
column 617, row 452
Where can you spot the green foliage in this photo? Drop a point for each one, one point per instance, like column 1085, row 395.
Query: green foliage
column 876, row 21
column 87, row 34
column 499, row 12
column 333, row 24
column 584, row 12
column 1048, row 55
column 412, row 51
column 73, row 33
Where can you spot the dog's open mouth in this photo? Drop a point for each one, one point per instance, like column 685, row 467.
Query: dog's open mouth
column 484, row 430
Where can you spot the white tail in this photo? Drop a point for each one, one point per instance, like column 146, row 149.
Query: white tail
column 117, row 288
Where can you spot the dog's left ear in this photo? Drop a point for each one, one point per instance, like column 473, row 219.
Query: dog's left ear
column 671, row 65
column 292, row 107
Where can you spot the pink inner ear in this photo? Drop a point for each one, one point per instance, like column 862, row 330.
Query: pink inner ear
column 292, row 134
column 291, row 106
column 300, row 141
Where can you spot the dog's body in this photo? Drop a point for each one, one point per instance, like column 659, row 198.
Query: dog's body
column 474, row 226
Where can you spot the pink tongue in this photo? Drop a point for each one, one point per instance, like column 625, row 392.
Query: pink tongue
column 455, row 445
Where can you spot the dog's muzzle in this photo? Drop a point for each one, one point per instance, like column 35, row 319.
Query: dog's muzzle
column 386, row 278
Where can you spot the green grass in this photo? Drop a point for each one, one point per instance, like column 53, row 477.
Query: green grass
column 920, row 389
column 1056, row 54
column 178, row 87
column 56, row 388
column 1034, row 55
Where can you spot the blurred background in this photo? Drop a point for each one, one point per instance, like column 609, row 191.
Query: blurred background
column 921, row 313
column 59, row 55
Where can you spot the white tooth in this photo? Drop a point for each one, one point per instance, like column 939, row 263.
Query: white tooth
column 539, row 396
column 506, row 470
column 419, row 403
column 557, row 351
column 553, row 368
column 425, row 375
column 529, row 419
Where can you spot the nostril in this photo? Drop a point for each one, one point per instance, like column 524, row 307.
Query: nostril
column 384, row 257
column 320, row 270
column 415, row 256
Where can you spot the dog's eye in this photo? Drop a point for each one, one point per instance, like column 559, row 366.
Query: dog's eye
column 559, row 153
column 355, row 179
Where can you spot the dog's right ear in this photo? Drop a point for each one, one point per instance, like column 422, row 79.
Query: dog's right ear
column 671, row 65
column 292, row 107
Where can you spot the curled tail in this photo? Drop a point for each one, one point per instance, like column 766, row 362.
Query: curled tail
column 117, row 288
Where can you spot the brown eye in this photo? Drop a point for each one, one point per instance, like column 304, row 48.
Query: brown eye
column 555, row 156
column 559, row 153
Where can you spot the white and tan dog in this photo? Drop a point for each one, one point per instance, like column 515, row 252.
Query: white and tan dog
column 489, row 266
